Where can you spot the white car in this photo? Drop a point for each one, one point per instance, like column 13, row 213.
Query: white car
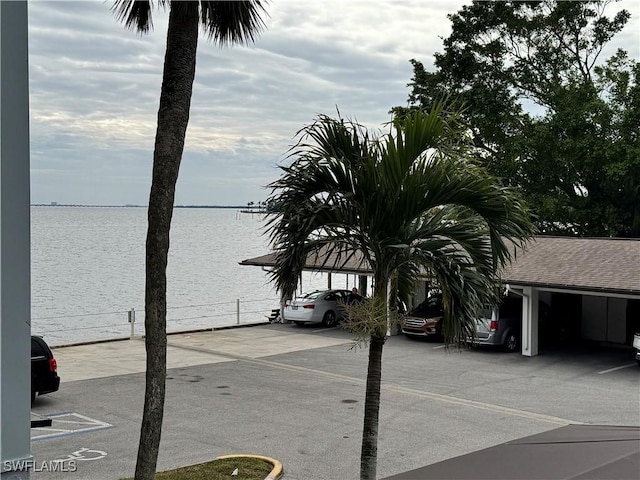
column 319, row 306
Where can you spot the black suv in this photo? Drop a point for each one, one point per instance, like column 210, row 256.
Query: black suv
column 44, row 369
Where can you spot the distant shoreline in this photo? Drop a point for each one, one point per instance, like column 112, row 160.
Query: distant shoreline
column 244, row 207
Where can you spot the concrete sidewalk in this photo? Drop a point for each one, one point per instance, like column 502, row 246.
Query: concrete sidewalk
column 121, row 357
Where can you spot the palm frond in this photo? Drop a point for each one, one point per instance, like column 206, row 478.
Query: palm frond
column 412, row 203
column 224, row 22
column 232, row 22
column 136, row 14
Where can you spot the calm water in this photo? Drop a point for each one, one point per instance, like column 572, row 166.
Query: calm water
column 87, row 271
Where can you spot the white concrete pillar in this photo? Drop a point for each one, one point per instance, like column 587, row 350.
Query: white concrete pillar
column 15, row 328
column 530, row 321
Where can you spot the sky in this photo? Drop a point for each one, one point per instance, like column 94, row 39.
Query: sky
column 95, row 86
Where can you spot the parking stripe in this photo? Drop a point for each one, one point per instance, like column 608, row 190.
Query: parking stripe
column 420, row 393
column 396, row 388
column 67, row 423
column 617, row 368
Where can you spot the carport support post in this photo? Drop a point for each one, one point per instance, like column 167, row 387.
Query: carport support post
column 530, row 321
column 362, row 285
column 15, row 328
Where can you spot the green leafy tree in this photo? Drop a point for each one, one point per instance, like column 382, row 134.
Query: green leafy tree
column 546, row 115
column 410, row 202
column 235, row 22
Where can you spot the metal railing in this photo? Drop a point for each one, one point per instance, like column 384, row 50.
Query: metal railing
column 77, row 328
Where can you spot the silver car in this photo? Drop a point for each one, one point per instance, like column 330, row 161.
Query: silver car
column 319, row 306
column 501, row 325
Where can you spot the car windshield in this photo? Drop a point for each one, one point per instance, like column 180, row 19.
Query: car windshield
column 312, row 295
column 432, row 305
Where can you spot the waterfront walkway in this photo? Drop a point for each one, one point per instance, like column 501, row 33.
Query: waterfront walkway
column 297, row 394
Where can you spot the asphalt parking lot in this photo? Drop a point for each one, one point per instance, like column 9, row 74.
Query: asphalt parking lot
column 304, row 407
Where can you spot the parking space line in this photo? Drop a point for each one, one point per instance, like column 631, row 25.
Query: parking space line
column 439, row 346
column 617, row 368
column 67, row 423
column 420, row 393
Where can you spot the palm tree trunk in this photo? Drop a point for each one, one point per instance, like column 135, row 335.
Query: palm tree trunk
column 173, row 117
column 369, row 453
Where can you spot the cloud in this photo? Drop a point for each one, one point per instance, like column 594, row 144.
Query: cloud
column 95, row 89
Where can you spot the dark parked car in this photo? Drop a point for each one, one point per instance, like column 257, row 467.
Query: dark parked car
column 44, row 368
column 426, row 319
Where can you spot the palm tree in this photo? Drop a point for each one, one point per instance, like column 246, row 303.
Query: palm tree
column 233, row 22
column 412, row 203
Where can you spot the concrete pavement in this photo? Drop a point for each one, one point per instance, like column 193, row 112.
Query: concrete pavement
column 121, row 357
column 297, row 394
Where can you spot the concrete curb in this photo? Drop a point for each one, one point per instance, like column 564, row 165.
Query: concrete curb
column 141, row 337
column 276, row 472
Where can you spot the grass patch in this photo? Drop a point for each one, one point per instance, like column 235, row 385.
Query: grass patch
column 248, row 469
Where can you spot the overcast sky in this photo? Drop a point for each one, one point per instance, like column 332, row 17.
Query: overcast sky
column 95, row 88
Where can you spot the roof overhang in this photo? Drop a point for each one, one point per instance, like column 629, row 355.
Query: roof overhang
column 594, row 266
column 604, row 292
column 323, row 261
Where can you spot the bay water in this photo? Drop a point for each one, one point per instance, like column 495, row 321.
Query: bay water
column 88, row 271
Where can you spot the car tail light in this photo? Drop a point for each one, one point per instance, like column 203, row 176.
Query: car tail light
column 308, row 306
column 53, row 365
column 494, row 325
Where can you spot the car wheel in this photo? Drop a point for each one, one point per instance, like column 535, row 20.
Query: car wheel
column 329, row 319
column 511, row 342
column 33, row 394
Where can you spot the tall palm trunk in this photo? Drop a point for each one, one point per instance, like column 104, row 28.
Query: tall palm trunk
column 173, row 117
column 369, row 452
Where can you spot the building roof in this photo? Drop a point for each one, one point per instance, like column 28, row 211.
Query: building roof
column 603, row 265
column 354, row 263
column 608, row 265
column 572, row 452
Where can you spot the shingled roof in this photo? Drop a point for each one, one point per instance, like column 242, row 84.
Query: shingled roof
column 354, row 263
column 608, row 265
column 604, row 265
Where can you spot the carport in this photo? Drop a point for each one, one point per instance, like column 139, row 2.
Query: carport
column 326, row 262
column 591, row 284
